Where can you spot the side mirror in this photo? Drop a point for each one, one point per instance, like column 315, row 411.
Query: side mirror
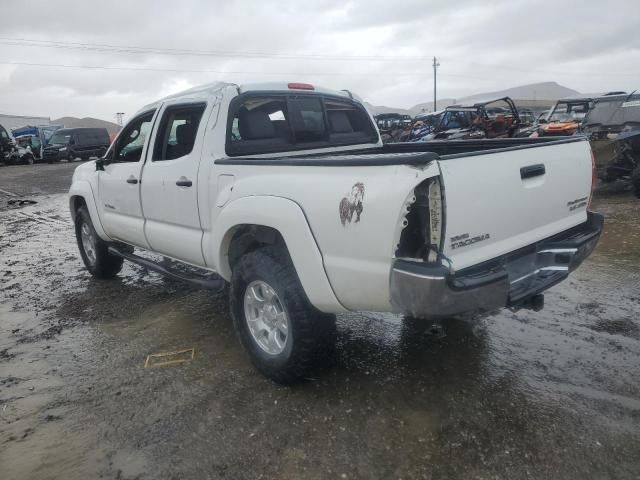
column 104, row 161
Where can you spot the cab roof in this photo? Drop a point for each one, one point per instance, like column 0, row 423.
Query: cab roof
column 203, row 92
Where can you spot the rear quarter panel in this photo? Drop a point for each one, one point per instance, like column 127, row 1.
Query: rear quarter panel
column 356, row 253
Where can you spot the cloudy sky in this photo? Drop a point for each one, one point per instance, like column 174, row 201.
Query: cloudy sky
column 139, row 50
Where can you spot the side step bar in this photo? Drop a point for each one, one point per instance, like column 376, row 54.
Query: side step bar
column 210, row 282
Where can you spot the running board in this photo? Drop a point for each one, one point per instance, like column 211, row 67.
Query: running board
column 210, row 282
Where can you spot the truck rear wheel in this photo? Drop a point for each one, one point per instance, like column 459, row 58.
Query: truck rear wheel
column 285, row 336
column 94, row 250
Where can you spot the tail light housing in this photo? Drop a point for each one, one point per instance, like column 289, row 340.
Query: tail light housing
column 594, row 178
column 435, row 219
column 421, row 225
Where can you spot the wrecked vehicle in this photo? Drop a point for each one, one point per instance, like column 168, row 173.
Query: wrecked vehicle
column 423, row 125
column 565, row 117
column 613, row 125
column 33, row 139
column 497, row 118
column 8, row 154
column 626, row 163
column 393, row 127
column 25, row 149
column 287, row 193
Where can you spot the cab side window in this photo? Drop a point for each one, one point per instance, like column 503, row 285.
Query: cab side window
column 177, row 132
column 131, row 141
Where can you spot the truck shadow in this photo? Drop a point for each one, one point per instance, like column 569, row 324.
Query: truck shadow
column 397, row 349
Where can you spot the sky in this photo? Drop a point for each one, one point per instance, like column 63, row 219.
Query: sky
column 85, row 58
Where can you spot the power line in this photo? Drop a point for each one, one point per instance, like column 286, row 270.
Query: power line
column 102, row 47
column 392, row 74
column 111, row 48
column 187, row 70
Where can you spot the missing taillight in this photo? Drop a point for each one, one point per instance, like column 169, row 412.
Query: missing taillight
column 422, row 224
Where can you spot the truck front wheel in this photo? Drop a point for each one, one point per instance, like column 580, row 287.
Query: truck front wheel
column 93, row 250
column 285, row 336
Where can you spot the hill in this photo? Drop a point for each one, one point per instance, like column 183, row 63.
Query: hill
column 542, row 95
column 549, row 91
column 87, row 122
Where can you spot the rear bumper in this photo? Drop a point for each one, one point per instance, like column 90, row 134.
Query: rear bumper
column 426, row 291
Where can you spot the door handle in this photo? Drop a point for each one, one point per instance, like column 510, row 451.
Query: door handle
column 531, row 171
column 184, row 182
column 133, row 180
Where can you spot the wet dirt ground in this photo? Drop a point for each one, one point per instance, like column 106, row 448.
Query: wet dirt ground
column 547, row 395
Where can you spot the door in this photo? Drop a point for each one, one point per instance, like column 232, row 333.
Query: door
column 119, row 183
column 170, row 184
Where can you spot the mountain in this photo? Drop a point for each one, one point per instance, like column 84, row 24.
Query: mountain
column 88, row 122
column 421, row 107
column 541, row 95
column 550, row 91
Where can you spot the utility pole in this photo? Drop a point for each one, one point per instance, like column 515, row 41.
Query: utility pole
column 119, row 117
column 436, row 64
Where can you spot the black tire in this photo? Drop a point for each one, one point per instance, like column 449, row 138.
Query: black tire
column 104, row 265
column 71, row 157
column 635, row 181
column 29, row 160
column 311, row 334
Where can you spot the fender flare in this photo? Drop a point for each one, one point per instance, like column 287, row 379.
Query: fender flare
column 83, row 189
column 285, row 216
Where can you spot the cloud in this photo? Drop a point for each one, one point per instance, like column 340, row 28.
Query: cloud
column 481, row 47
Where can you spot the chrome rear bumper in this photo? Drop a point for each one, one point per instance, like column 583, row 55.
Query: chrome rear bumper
column 426, row 291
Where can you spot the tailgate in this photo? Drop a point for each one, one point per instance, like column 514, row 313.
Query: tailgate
column 497, row 202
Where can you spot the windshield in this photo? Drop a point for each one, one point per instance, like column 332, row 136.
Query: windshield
column 60, row 138
column 569, row 112
column 616, row 111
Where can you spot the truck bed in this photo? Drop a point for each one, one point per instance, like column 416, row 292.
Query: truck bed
column 408, row 153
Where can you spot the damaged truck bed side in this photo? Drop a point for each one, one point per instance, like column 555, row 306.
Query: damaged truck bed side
column 286, row 192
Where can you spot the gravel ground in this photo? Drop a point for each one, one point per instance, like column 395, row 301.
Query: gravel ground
column 547, row 395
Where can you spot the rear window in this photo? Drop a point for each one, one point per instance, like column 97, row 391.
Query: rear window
column 280, row 123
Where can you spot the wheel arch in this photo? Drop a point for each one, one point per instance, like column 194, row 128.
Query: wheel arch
column 81, row 194
column 250, row 222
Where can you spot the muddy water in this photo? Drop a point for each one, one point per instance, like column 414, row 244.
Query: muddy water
column 553, row 394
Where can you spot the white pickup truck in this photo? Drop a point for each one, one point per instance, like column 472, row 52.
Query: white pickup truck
column 286, row 192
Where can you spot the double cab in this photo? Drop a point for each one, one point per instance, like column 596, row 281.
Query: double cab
column 285, row 192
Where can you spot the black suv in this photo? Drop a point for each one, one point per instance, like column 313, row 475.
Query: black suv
column 71, row 143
